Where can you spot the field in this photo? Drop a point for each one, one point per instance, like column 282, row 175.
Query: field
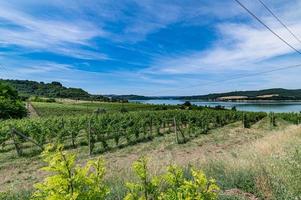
column 250, row 155
column 81, row 107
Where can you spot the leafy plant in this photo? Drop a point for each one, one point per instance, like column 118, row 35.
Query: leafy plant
column 147, row 187
column 272, row 119
column 11, row 105
column 174, row 185
column 179, row 187
column 110, row 129
column 68, row 180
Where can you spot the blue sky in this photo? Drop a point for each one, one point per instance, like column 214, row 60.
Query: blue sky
column 148, row 47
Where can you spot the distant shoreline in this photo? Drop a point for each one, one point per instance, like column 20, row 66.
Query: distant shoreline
column 246, row 101
column 210, row 100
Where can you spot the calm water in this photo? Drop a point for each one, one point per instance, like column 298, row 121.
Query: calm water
column 244, row 106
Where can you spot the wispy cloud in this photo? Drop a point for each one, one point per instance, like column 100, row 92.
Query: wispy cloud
column 59, row 36
column 44, row 68
column 240, row 46
column 119, row 43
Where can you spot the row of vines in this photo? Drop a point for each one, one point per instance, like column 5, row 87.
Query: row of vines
column 290, row 117
column 106, row 131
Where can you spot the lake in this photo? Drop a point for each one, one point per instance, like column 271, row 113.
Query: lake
column 243, row 106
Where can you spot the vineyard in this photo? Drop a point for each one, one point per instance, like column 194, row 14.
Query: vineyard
column 102, row 132
column 84, row 108
column 290, row 117
column 162, row 133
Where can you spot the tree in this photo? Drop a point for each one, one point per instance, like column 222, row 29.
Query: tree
column 187, row 103
column 11, row 105
column 56, row 83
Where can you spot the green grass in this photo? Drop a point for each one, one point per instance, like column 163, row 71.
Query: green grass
column 24, row 195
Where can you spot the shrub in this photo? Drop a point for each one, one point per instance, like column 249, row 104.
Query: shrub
column 178, row 187
column 10, row 103
column 147, row 187
column 70, row 181
column 39, row 99
column 174, row 185
column 123, row 110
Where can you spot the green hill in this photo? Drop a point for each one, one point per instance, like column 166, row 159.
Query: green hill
column 50, row 90
column 268, row 94
column 130, row 97
column 57, row 90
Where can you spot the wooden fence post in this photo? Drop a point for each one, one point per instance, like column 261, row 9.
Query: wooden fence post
column 90, row 145
column 151, row 128
column 189, row 129
column 183, row 135
column 62, row 133
column 73, row 140
column 16, row 143
column 27, row 138
column 175, row 128
column 145, row 130
column 15, row 134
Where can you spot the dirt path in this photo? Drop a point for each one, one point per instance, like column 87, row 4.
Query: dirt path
column 31, row 110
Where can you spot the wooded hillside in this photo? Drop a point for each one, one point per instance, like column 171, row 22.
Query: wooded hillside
column 50, row 90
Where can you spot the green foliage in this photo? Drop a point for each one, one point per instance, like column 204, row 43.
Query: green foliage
column 8, row 93
column 39, row 99
column 13, row 195
column 68, row 180
column 280, row 94
column 59, row 109
column 123, row 110
column 51, row 90
column 179, row 187
column 290, row 117
column 272, row 119
column 246, row 121
column 147, row 187
column 10, row 103
column 186, row 106
column 249, row 118
column 242, row 178
column 131, row 127
column 172, row 185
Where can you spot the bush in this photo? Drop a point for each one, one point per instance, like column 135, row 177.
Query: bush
column 123, row 110
column 173, row 185
column 39, row 99
column 147, row 187
column 11, row 105
column 70, row 181
column 199, row 188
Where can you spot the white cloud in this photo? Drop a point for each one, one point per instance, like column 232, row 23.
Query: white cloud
column 241, row 46
column 44, row 68
column 50, row 35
